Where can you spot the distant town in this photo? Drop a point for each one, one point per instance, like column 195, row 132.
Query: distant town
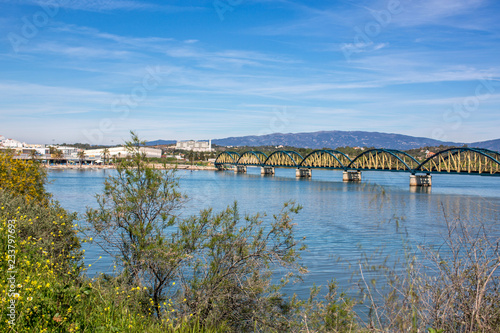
column 68, row 154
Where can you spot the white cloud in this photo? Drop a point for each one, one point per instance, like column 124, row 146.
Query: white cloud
column 436, row 12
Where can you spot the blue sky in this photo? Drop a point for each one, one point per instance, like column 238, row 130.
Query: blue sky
column 92, row 70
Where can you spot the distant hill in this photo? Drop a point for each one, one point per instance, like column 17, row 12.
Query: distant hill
column 334, row 139
column 490, row 144
column 160, row 142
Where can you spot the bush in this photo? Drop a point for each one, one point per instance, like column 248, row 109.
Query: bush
column 23, row 178
column 224, row 264
column 450, row 288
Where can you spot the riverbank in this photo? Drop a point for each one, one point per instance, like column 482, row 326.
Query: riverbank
column 155, row 165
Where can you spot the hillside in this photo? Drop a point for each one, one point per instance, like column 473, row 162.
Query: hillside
column 160, row 142
column 490, row 144
column 334, row 139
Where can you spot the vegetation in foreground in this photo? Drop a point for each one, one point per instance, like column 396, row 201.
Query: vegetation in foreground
column 213, row 272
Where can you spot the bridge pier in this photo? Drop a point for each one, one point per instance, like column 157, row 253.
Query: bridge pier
column 351, row 176
column 303, row 173
column 240, row 169
column 220, row 167
column 267, row 170
column 420, row 180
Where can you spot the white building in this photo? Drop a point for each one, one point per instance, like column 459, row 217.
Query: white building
column 11, row 143
column 71, row 152
column 121, row 152
column 202, row 146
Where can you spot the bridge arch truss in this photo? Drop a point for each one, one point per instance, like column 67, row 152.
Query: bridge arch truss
column 462, row 161
column 454, row 160
column 284, row 158
column 327, row 159
column 227, row 157
column 254, row 158
column 384, row 159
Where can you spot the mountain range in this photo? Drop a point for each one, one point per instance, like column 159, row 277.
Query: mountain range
column 334, row 139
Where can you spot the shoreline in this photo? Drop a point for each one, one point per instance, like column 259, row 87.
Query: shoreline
column 155, row 165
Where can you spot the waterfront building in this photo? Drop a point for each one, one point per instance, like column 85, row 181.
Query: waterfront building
column 121, row 152
column 11, row 143
column 200, row 146
column 71, row 152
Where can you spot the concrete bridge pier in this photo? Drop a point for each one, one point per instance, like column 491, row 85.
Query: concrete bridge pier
column 267, row 170
column 351, row 176
column 303, row 173
column 220, row 167
column 240, row 169
column 421, row 180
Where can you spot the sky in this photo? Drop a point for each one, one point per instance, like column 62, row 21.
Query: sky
column 91, row 71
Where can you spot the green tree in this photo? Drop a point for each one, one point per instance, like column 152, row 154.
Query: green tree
column 23, row 178
column 137, row 205
column 56, row 153
column 105, row 155
column 229, row 277
column 81, row 156
column 33, row 154
column 223, row 262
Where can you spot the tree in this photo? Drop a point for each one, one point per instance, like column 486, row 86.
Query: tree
column 56, row 153
column 23, row 178
column 81, row 156
column 137, row 205
column 229, row 277
column 105, row 155
column 33, row 154
column 224, row 262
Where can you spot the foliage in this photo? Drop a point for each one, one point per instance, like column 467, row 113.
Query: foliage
column 41, row 272
column 23, row 178
column 233, row 260
column 56, row 153
column 54, row 296
column 134, row 210
column 353, row 152
column 333, row 314
column 81, row 156
column 224, row 263
column 450, row 288
column 421, row 153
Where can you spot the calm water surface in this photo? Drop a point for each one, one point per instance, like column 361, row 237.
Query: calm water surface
column 339, row 220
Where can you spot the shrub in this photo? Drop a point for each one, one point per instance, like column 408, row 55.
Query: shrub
column 224, row 263
column 24, row 178
column 453, row 287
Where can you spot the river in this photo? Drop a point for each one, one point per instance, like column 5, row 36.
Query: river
column 341, row 221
